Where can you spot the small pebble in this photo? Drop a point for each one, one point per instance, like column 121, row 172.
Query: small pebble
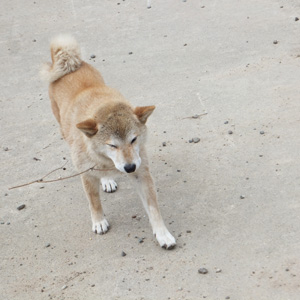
column 123, row 253
column 8, row 223
column 93, row 56
column 196, row 140
column 48, row 245
column 227, row 297
column 164, row 144
column 262, row 132
column 190, row 141
column 202, row 271
column 242, row 197
column 230, row 132
column 188, row 231
column 5, row 149
column 218, row 271
column 2, row 222
column 21, row 207
column 275, row 42
column 226, row 122
column 130, row 53
column 296, row 19
column 64, row 287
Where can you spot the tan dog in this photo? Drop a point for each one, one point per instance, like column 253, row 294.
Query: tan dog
column 103, row 130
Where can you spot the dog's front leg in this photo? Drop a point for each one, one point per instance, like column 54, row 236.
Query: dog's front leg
column 146, row 189
column 91, row 187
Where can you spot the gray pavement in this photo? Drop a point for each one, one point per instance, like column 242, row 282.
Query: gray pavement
column 216, row 58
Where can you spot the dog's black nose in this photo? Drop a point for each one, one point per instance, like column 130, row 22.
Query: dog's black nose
column 129, row 168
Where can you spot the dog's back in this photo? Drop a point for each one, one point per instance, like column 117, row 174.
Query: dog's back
column 70, row 78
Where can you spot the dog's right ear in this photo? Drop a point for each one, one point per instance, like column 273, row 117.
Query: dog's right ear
column 88, row 127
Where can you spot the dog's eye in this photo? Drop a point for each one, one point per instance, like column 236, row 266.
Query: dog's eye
column 112, row 146
column 133, row 140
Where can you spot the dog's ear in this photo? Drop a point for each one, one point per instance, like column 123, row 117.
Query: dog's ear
column 144, row 112
column 88, row 127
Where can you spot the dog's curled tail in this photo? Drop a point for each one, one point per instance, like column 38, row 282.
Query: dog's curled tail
column 65, row 54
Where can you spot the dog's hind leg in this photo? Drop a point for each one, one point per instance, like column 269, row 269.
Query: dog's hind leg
column 146, row 189
column 91, row 187
column 108, row 185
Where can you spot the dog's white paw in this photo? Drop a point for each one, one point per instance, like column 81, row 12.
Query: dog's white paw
column 100, row 227
column 165, row 238
column 108, row 185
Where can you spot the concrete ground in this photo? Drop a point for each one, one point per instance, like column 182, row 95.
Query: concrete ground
column 231, row 200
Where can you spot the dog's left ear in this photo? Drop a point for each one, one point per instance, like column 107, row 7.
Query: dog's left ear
column 143, row 112
column 88, row 127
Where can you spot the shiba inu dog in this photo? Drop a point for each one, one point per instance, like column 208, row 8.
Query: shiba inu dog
column 103, row 130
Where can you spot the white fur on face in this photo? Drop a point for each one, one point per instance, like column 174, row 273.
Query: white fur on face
column 124, row 153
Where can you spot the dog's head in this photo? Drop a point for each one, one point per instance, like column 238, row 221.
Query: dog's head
column 118, row 132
